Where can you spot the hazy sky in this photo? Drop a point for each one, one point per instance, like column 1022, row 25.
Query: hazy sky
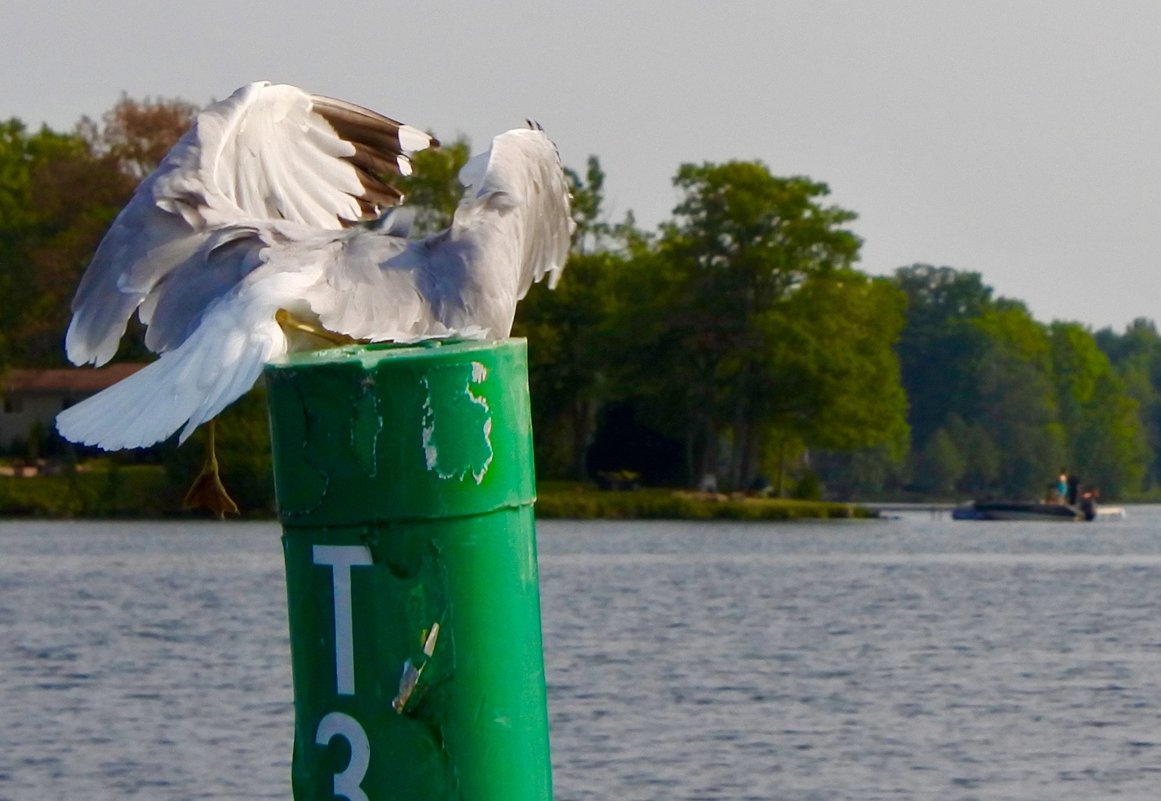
column 1021, row 140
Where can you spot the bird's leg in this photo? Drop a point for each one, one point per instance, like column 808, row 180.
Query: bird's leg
column 289, row 322
column 207, row 491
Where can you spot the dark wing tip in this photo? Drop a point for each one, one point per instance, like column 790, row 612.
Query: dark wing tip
column 379, row 154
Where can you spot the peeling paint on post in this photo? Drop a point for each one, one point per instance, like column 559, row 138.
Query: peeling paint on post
column 405, row 488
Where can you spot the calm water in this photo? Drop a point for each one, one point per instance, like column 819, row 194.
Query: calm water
column 905, row 659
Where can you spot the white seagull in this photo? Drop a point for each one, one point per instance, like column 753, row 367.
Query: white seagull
column 267, row 218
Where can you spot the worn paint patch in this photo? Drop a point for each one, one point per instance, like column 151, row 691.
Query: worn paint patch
column 457, row 422
column 412, row 671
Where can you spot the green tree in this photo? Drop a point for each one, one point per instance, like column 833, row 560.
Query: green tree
column 643, row 352
column 567, row 360
column 58, row 194
column 1136, row 356
column 731, row 323
column 743, row 240
column 1104, row 435
column 941, row 464
column 844, row 391
column 872, row 472
column 1018, row 401
column 565, row 328
column 831, row 376
column 940, row 349
column 56, row 199
column 982, row 457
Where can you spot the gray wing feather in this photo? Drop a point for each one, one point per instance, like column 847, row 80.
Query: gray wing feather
column 219, row 265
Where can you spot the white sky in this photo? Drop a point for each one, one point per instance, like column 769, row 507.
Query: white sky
column 1018, row 139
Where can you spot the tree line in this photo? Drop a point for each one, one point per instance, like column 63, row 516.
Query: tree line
column 737, row 344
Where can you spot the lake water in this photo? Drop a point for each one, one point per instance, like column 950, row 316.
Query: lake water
column 916, row 658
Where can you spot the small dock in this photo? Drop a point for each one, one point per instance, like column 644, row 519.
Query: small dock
column 888, row 510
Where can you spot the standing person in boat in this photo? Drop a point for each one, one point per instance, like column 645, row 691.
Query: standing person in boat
column 1073, row 488
column 1088, row 502
column 1062, row 487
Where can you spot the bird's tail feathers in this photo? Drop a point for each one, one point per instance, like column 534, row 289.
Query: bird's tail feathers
column 181, row 390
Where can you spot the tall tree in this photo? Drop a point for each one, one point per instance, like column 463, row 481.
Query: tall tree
column 1136, row 356
column 58, row 194
column 713, row 309
column 831, row 376
column 565, row 327
column 136, row 134
column 983, row 457
column 56, row 199
column 835, row 381
column 567, row 362
column 1104, row 436
column 1017, row 399
column 940, row 349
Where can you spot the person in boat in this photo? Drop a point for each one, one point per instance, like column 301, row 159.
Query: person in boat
column 1062, row 486
column 1088, row 502
column 1073, row 489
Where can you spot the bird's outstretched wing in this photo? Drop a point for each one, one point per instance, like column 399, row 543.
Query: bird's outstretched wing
column 518, row 185
column 215, row 325
column 268, row 152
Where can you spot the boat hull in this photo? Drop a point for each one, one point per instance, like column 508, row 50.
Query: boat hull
column 1019, row 510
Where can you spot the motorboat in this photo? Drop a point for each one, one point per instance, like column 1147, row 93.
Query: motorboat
column 1024, row 510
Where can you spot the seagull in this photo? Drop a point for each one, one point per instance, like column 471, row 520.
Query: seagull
column 270, row 227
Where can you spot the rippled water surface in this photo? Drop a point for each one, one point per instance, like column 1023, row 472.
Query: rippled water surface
column 917, row 658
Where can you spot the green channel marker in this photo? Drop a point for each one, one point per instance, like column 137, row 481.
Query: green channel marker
column 405, row 488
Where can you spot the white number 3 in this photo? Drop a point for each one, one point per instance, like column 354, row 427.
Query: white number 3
column 347, row 782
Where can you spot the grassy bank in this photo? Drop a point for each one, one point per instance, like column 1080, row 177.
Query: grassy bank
column 145, row 491
column 121, row 491
column 582, row 502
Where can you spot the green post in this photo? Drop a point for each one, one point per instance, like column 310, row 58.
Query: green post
column 405, row 488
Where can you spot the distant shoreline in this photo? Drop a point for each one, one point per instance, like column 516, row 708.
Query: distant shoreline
column 584, row 502
column 143, row 493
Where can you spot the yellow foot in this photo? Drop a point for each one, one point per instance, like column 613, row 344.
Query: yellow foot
column 207, row 491
column 291, row 323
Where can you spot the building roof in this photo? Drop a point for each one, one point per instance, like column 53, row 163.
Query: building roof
column 83, row 380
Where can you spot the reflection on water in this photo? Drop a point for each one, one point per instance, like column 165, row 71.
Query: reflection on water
column 906, row 659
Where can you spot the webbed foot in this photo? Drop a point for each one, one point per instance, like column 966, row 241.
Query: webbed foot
column 207, row 491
